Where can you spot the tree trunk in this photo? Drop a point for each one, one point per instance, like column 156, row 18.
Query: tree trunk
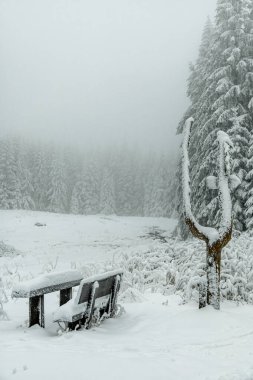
column 213, row 276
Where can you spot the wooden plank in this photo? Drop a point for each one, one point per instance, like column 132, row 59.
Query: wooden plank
column 34, row 318
column 91, row 304
column 105, row 288
column 42, row 314
column 116, row 287
column 46, row 290
column 85, row 293
column 65, row 295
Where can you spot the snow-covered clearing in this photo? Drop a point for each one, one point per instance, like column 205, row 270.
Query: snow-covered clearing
column 158, row 338
column 74, row 238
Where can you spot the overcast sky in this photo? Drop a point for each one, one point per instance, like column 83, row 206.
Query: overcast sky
column 98, row 70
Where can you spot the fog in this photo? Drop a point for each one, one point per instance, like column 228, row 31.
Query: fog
column 98, row 72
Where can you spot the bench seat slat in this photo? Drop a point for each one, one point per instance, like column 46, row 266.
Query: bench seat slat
column 48, row 289
column 47, row 283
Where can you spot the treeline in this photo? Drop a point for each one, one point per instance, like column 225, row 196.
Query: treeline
column 119, row 181
column 220, row 89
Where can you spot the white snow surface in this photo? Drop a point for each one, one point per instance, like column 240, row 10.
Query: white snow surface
column 73, row 239
column 101, row 276
column 22, row 289
column 157, row 338
column 68, row 310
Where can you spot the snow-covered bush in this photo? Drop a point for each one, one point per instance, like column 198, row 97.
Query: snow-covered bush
column 175, row 267
column 179, row 267
column 7, row 250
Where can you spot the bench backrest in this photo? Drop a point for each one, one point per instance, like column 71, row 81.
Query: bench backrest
column 106, row 283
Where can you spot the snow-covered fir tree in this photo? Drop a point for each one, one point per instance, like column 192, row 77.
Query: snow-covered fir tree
column 14, row 194
column 3, row 175
column 57, row 193
column 107, row 193
column 40, row 174
column 75, row 202
column 220, row 90
column 25, row 180
column 124, row 183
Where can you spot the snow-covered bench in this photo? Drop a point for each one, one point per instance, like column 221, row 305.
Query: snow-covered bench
column 96, row 298
column 48, row 283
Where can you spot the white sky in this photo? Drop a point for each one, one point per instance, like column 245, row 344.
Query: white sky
column 99, row 70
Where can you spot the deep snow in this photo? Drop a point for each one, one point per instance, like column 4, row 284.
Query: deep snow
column 158, row 338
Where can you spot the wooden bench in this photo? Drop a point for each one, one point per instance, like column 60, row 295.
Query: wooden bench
column 35, row 290
column 96, row 295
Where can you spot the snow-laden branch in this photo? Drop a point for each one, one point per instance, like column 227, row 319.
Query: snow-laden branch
column 208, row 234
column 223, row 183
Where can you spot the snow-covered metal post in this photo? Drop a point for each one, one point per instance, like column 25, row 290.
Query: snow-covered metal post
column 215, row 239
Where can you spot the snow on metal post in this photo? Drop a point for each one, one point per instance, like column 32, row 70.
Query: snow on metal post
column 215, row 239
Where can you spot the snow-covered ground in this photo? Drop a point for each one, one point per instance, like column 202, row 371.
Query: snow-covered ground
column 74, row 238
column 158, row 338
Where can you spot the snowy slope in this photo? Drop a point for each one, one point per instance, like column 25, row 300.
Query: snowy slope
column 158, row 338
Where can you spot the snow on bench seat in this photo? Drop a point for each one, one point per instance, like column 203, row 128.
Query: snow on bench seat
column 66, row 311
column 47, row 283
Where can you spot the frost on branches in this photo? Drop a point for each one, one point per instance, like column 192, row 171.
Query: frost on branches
column 215, row 239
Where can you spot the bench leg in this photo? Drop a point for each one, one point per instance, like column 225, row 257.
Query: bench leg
column 114, row 296
column 36, row 311
column 91, row 305
column 65, row 295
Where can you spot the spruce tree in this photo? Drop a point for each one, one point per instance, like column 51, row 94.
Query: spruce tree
column 3, row 175
column 14, row 194
column 107, row 193
column 220, row 93
column 57, row 194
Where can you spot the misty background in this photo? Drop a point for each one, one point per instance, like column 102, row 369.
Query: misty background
column 98, row 72
column 91, row 96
